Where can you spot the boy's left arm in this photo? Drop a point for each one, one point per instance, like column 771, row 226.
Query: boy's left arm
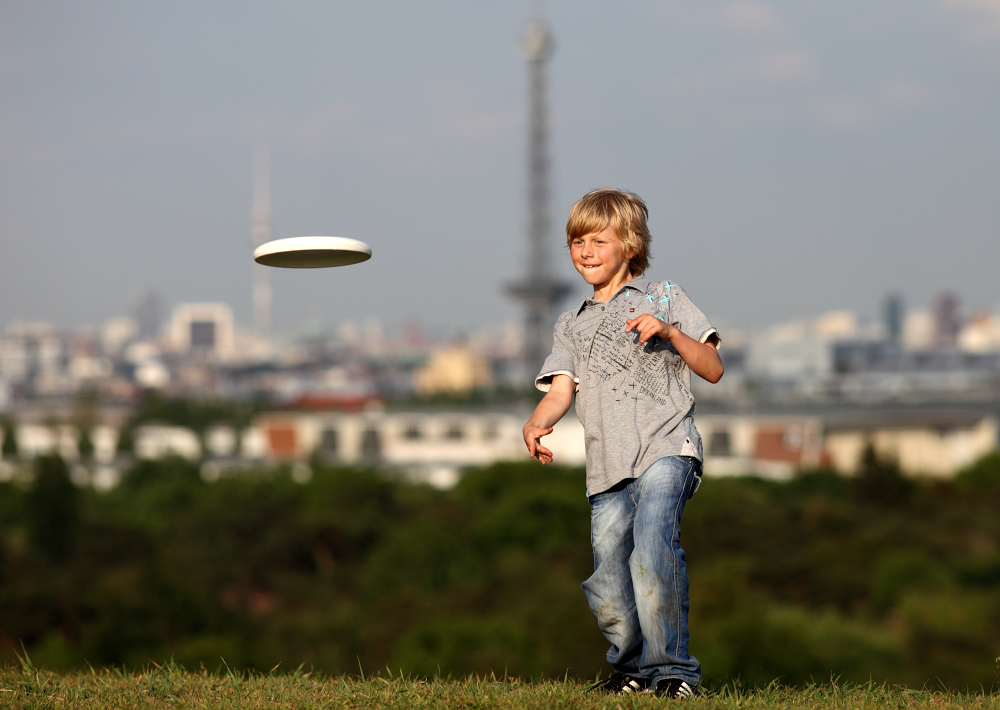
column 702, row 358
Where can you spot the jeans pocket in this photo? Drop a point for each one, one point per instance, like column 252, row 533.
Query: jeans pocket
column 697, row 471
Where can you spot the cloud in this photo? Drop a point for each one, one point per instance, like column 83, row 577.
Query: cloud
column 747, row 17
column 476, row 125
column 315, row 131
column 906, row 94
column 430, row 128
column 983, row 17
column 422, row 131
column 773, row 80
column 43, row 146
column 462, row 113
column 842, row 113
column 824, row 110
column 778, row 67
column 772, row 57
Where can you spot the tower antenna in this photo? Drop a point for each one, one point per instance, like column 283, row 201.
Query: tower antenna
column 539, row 291
column 261, row 233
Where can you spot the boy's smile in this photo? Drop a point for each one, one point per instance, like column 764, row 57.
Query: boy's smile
column 599, row 258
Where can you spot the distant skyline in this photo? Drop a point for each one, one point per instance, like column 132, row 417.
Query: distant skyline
column 796, row 157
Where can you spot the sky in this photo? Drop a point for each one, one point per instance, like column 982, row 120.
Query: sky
column 797, row 156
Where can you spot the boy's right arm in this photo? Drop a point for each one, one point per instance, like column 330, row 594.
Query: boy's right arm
column 550, row 410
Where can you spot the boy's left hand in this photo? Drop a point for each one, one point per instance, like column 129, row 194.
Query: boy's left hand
column 648, row 326
column 702, row 358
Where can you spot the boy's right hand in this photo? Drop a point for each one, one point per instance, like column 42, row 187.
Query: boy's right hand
column 550, row 410
column 532, row 435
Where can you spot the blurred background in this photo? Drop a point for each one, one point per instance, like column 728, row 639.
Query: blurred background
column 204, row 459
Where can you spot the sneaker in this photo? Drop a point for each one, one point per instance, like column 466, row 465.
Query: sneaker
column 619, row 684
column 675, row 689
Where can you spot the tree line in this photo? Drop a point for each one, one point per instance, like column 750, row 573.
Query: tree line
column 873, row 577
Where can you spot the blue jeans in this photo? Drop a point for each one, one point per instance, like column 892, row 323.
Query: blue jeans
column 639, row 589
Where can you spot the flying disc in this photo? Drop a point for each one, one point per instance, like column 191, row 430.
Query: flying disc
column 312, row 252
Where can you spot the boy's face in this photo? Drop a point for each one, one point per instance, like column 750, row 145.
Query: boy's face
column 599, row 257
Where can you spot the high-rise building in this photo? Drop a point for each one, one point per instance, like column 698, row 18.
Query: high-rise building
column 147, row 315
column 946, row 320
column 893, row 313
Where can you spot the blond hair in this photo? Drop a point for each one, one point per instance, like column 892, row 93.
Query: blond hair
column 625, row 212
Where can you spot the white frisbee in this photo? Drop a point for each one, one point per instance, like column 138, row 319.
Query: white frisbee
column 312, row 252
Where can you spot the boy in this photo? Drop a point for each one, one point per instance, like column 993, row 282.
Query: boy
column 629, row 352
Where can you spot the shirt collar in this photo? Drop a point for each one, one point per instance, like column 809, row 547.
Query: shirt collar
column 639, row 283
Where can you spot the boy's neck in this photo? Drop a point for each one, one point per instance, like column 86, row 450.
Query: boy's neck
column 605, row 291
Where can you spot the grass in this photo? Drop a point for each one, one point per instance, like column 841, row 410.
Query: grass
column 173, row 687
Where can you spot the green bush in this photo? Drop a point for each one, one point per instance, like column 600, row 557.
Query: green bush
column 52, row 508
column 984, row 473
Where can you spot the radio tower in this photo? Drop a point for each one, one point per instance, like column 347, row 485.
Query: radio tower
column 539, row 292
column 261, row 233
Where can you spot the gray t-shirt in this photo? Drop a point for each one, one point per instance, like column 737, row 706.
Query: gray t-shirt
column 634, row 401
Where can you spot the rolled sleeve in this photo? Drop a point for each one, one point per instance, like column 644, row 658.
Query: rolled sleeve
column 562, row 359
column 688, row 317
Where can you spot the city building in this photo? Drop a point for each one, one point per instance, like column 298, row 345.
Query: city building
column 203, row 330
column 455, row 369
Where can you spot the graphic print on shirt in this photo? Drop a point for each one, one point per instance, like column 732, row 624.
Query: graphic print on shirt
column 613, row 356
